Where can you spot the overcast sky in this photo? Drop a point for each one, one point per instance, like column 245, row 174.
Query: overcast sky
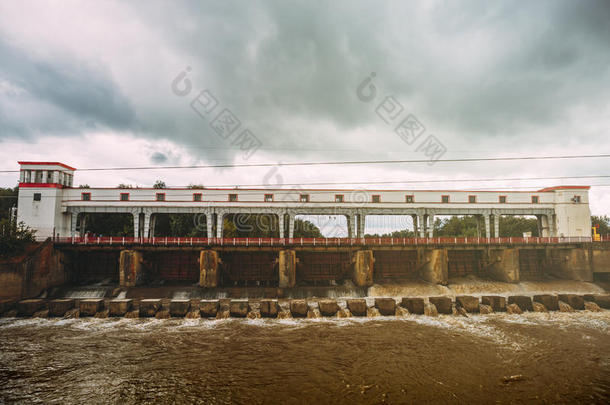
column 90, row 84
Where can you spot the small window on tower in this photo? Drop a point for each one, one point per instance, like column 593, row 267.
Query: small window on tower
column 86, row 196
column 535, row 199
column 37, row 196
column 576, row 199
column 124, row 196
column 268, row 197
column 197, row 197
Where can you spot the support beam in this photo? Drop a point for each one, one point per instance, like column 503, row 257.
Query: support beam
column 415, row 230
column 287, row 268
column 153, row 222
column 209, row 225
column 280, row 223
column 136, row 224
column 208, row 269
column 434, row 267
column 73, row 219
column 487, row 226
column 363, row 268
column 219, row 223
column 291, row 226
column 496, row 225
column 421, row 225
column 351, row 226
column 430, row 225
column 361, row 225
column 146, row 229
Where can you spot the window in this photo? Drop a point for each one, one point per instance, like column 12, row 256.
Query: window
column 535, row 199
column 197, row 197
column 410, row 198
column 86, row 196
column 124, row 196
column 444, row 199
column 376, row 198
column 304, row 198
column 472, row 199
column 268, row 197
column 339, row 198
column 502, row 199
column 37, row 196
column 576, row 199
column 232, row 197
column 160, row 196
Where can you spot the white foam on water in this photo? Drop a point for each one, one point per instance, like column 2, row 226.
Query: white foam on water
column 181, row 295
column 87, row 293
column 122, row 295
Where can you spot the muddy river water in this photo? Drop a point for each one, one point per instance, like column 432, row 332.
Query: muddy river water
column 533, row 358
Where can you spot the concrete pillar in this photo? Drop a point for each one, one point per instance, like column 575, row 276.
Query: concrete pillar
column 83, row 225
column 570, row 264
column 291, row 226
column 287, row 268
column 487, row 226
column 539, row 224
column 496, row 225
column 478, row 221
column 361, row 225
column 219, row 224
column 421, row 225
column 503, row 265
column 280, row 223
column 434, row 266
column 136, row 224
column 363, row 268
column 544, row 225
column 351, row 226
column 153, row 222
column 73, row 219
column 415, row 231
column 130, row 268
column 208, row 269
column 146, row 224
column 430, row 225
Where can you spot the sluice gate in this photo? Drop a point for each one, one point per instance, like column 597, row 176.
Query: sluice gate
column 395, row 265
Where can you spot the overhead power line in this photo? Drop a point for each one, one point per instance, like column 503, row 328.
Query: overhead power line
column 332, row 163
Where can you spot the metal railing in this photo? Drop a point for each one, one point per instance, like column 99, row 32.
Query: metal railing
column 187, row 241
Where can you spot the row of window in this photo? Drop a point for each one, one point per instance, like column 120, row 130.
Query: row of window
column 339, row 198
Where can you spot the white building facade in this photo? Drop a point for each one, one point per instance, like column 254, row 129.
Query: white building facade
column 50, row 204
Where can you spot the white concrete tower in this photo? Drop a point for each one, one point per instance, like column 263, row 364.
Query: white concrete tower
column 41, row 192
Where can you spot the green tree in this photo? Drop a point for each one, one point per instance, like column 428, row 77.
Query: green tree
column 159, row 184
column 14, row 237
column 8, row 200
column 306, row 229
column 603, row 222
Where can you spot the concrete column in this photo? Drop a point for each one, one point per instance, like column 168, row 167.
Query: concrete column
column 73, row 219
column 208, row 269
column 351, row 226
column 504, row 265
column 478, row 221
column 487, row 226
column 544, row 226
column 434, row 265
column 219, row 222
column 146, row 224
column 291, row 226
column 363, row 268
column 83, row 225
column 287, row 268
column 280, row 223
column 361, row 225
column 415, row 231
column 44, row 176
column 539, row 224
column 136, row 224
column 209, row 223
column 130, row 268
column 496, row 225
column 421, row 225
column 431, row 225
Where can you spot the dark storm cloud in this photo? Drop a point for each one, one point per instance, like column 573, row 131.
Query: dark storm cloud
column 58, row 96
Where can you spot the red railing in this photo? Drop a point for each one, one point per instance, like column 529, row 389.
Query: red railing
column 186, row 241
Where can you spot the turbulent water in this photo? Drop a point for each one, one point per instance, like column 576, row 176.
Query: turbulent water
column 535, row 357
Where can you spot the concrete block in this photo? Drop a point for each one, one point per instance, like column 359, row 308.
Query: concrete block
column 514, row 309
column 550, row 302
column 603, row 300
column 573, row 300
column 179, row 308
column 435, row 266
column 209, row 308
column 239, row 308
column 90, row 307
column 468, row 302
column 496, row 302
column 522, row 301
column 299, row 308
column 413, row 305
column 59, row 307
column 363, row 268
column 357, row 306
column 29, row 307
column 443, row 304
column 208, row 269
column 119, row 307
column 269, row 308
column 386, row 306
column 287, row 268
column 149, row 307
column 328, row 307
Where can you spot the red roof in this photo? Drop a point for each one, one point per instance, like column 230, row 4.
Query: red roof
column 48, row 163
column 565, row 188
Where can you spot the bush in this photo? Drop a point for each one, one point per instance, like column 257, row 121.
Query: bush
column 14, row 237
